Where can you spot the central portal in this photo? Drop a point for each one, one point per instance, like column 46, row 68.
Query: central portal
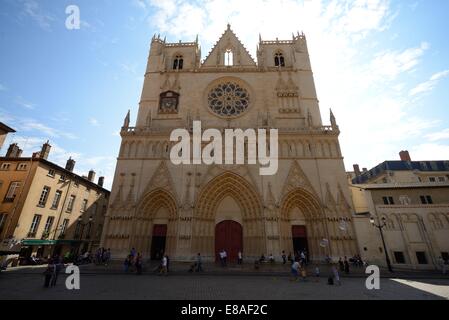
column 228, row 236
column 299, row 236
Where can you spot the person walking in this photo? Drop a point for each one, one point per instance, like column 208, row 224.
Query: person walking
column 239, row 258
column 304, row 274
column 57, row 266
column 317, row 274
column 164, row 265
column 107, row 257
column 225, row 257
column 49, row 273
column 346, row 265
column 336, row 275
column 442, row 264
column 341, row 265
column 199, row 263
column 295, row 270
column 139, row 264
column 221, row 255
column 127, row 263
column 284, row 258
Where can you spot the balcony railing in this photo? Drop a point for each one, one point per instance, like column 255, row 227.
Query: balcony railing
column 31, row 234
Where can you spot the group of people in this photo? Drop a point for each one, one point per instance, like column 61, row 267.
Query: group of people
column 133, row 262
column 102, row 256
column 343, row 265
column 51, row 273
column 357, row 261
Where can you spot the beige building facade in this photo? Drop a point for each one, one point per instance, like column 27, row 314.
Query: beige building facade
column 412, row 197
column 4, row 130
column 183, row 210
column 46, row 209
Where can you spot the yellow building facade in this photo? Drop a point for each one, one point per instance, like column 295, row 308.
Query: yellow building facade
column 46, row 209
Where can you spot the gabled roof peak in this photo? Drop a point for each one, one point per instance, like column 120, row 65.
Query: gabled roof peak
column 227, row 39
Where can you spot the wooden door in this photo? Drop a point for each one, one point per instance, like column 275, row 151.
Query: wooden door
column 229, row 236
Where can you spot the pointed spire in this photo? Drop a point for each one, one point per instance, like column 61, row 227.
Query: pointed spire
column 333, row 120
column 165, row 39
column 127, row 119
column 196, row 39
column 260, row 38
column 229, row 26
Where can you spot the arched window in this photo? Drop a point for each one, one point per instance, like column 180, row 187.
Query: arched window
column 178, row 62
column 229, row 58
column 279, row 60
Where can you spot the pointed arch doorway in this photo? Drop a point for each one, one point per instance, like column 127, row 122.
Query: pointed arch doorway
column 228, row 236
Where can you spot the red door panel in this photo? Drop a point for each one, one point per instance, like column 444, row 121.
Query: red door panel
column 229, row 236
column 299, row 232
column 160, row 230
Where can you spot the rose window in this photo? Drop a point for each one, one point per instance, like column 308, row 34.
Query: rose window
column 228, row 99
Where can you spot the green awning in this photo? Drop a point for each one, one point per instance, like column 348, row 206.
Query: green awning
column 37, row 242
column 40, row 242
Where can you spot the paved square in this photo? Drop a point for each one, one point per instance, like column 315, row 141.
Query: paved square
column 29, row 285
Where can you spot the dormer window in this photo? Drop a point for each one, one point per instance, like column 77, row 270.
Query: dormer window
column 279, row 60
column 229, row 58
column 178, row 63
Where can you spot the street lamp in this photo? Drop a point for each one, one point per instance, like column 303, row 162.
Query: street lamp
column 80, row 221
column 380, row 227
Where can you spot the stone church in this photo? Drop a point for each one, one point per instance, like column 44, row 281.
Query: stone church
column 183, row 210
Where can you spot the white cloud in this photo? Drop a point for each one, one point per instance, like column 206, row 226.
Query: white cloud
column 103, row 165
column 24, row 103
column 362, row 79
column 430, row 84
column 35, row 126
column 32, row 9
column 129, row 67
column 430, row 151
column 437, row 136
column 390, row 64
column 94, row 122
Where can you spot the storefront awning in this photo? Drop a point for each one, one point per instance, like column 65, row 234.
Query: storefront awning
column 40, row 242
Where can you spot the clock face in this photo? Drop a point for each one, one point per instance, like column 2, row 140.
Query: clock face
column 168, row 104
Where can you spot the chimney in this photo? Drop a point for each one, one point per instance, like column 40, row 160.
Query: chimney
column 13, row 151
column 365, row 170
column 19, row 153
column 101, row 181
column 70, row 165
column 356, row 170
column 405, row 156
column 91, row 176
column 36, row 155
column 45, row 151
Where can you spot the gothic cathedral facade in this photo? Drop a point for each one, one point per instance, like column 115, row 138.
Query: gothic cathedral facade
column 183, row 210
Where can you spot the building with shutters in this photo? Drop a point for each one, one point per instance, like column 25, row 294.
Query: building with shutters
column 46, row 209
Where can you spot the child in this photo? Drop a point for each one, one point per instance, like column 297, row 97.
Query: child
column 295, row 268
column 317, row 274
column 304, row 274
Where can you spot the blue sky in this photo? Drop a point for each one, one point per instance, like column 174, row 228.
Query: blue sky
column 381, row 65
